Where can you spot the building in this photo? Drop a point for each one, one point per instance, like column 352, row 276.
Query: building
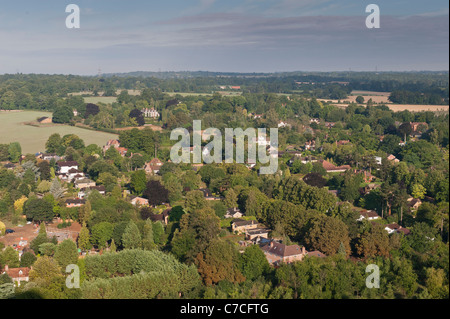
column 65, row 167
column 368, row 214
column 84, row 183
column 414, row 203
column 208, row 195
column 135, row 200
column 242, row 226
column 233, row 213
column 85, row 191
column 395, row 228
column 163, row 218
column 76, row 202
column 277, row 253
column 153, row 166
column 152, row 113
column 18, row 275
column 331, row 168
column 257, row 234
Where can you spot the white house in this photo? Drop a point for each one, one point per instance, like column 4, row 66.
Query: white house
column 65, row 167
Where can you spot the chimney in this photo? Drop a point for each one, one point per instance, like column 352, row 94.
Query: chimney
column 6, row 267
column 303, row 250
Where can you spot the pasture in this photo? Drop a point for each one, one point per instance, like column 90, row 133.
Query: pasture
column 33, row 138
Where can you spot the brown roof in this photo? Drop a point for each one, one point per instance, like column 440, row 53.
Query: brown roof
column 369, row 213
column 282, row 250
column 241, row 222
column 316, row 253
column 393, row 226
column 18, row 272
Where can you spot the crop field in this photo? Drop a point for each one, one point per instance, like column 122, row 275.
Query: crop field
column 33, row 138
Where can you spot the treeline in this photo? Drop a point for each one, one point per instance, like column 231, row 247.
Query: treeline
column 408, row 97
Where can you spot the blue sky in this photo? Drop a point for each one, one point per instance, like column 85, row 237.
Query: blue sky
column 222, row 35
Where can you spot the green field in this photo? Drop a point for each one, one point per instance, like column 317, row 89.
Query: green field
column 100, row 99
column 32, row 138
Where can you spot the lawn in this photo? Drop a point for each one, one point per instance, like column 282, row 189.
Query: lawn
column 33, row 139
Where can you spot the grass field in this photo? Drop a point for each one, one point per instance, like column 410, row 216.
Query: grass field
column 100, row 99
column 32, row 138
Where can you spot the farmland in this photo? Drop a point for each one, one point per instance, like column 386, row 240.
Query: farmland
column 33, row 138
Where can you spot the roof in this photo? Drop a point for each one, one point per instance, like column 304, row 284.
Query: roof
column 393, row 226
column 282, row 250
column 369, row 213
column 18, row 272
column 316, row 253
column 76, row 201
column 241, row 222
column 69, row 163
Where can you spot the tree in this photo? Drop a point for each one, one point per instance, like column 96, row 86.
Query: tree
column 158, row 232
column 38, row 210
column 359, row 99
column 131, row 238
column 147, row 242
column 254, row 263
column 91, row 110
column 138, row 182
column 10, row 257
column 84, row 238
column 15, row 151
column 47, row 249
column 101, row 234
column 418, row 191
column 373, row 242
column 231, row 199
column 156, row 193
column 53, row 144
column 45, row 269
column 62, row 115
column 194, row 200
column 326, row 234
column 138, row 116
column 219, row 262
column 66, row 253
column 56, row 189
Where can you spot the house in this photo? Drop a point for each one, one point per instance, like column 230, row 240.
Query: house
column 257, row 116
column 75, row 202
column 283, row 124
column 233, row 213
column 85, row 191
column 395, row 228
column 241, row 226
column 75, row 113
column 164, row 217
column 65, row 167
column 393, row 158
column 418, row 126
column 18, row 275
column 122, row 151
column 84, row 183
column 208, row 195
column 152, row 113
column 331, row 168
column 277, row 253
column 315, row 253
column 153, row 166
column 378, row 160
column 111, row 143
column 368, row 214
column 317, row 121
column 252, row 234
column 135, row 200
column 329, row 124
column 75, row 174
column 414, row 203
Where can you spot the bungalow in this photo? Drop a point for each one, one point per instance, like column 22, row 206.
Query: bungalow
column 18, row 275
column 75, row 202
column 277, row 253
column 331, row 168
column 395, row 228
column 65, row 167
column 242, row 226
column 368, row 214
column 135, row 200
column 233, row 213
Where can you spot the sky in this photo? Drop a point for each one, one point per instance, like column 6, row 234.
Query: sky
column 223, row 36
